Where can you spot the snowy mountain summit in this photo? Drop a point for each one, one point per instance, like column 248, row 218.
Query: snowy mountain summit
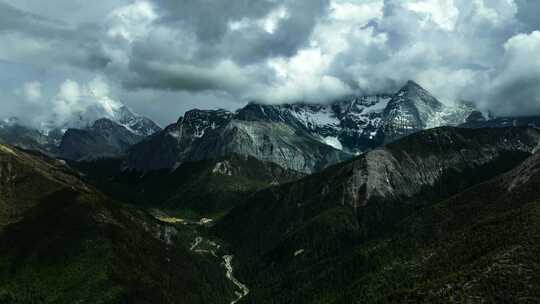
column 139, row 125
column 51, row 135
column 115, row 131
column 116, row 112
column 356, row 124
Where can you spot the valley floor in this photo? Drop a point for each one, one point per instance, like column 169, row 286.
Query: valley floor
column 206, row 246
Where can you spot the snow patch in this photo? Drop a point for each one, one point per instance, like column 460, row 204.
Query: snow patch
column 333, row 142
column 378, row 107
column 313, row 118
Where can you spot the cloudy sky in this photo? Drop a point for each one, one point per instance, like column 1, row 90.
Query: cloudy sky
column 162, row 57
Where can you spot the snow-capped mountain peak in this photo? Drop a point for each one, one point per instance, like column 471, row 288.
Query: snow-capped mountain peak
column 116, row 112
column 137, row 124
column 409, row 111
column 93, row 121
column 359, row 123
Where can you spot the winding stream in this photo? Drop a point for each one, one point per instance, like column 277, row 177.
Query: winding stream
column 227, row 263
column 244, row 291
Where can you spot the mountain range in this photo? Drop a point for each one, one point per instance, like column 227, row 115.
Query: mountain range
column 302, row 137
column 393, row 198
column 311, row 136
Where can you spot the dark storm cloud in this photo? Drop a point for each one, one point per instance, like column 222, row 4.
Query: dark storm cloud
column 216, row 31
column 182, row 77
column 55, row 42
column 291, row 33
column 212, row 23
column 210, row 19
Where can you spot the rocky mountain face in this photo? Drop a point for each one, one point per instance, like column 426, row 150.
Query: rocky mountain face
column 302, row 137
column 203, row 135
column 166, row 149
column 104, row 139
column 346, row 232
column 410, row 110
column 351, row 124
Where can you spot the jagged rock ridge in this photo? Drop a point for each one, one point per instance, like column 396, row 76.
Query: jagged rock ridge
column 212, row 134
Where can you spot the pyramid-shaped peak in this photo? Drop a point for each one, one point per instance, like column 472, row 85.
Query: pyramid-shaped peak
column 411, row 85
column 413, row 90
